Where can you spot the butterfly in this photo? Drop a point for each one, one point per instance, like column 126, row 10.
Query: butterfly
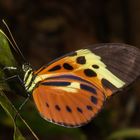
column 71, row 90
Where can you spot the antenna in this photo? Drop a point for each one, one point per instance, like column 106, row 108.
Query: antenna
column 14, row 44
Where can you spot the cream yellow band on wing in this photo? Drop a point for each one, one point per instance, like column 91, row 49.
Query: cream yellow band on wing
column 102, row 72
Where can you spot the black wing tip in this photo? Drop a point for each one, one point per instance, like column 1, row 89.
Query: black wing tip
column 121, row 59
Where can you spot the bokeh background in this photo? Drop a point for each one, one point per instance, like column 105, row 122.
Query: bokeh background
column 45, row 30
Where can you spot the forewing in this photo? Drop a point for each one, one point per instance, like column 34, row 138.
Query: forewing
column 109, row 67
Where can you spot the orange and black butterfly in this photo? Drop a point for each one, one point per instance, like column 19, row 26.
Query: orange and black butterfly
column 71, row 90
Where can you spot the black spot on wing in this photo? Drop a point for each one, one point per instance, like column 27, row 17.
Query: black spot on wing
column 57, row 107
column 90, row 73
column 81, row 60
column 68, row 109
column 107, row 84
column 47, row 104
column 89, row 107
column 79, row 110
column 57, row 67
column 56, row 83
column 67, row 66
column 95, row 66
column 88, row 88
column 93, row 99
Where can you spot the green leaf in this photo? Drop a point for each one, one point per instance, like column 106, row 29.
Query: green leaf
column 11, row 111
column 125, row 133
column 7, row 59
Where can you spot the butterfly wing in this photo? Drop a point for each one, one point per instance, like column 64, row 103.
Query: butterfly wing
column 68, row 102
column 66, row 93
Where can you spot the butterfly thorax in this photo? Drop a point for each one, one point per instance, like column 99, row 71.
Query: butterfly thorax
column 31, row 79
column 28, row 75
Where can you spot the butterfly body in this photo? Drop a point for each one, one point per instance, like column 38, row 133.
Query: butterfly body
column 71, row 90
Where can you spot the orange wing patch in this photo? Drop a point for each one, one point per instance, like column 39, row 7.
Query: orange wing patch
column 71, row 108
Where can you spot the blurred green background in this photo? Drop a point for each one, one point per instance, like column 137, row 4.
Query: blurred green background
column 47, row 29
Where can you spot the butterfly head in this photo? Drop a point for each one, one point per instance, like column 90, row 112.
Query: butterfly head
column 26, row 67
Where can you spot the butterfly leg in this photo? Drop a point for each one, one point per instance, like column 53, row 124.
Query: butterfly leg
column 12, row 77
column 9, row 68
column 20, row 107
column 25, row 101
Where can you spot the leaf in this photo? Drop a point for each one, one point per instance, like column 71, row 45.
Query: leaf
column 125, row 133
column 10, row 110
column 7, row 59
